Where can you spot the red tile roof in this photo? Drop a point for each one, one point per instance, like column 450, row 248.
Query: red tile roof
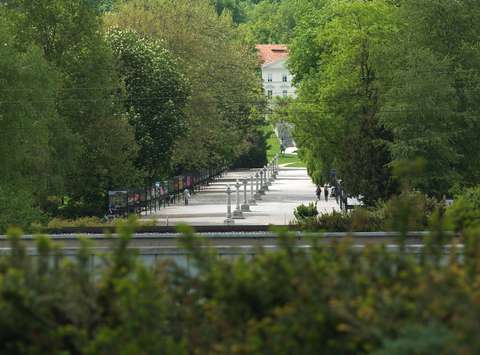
column 270, row 53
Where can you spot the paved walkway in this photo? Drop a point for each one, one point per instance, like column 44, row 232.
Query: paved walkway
column 208, row 207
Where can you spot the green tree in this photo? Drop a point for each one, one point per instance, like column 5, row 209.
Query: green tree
column 94, row 145
column 155, row 97
column 272, row 21
column 226, row 103
column 385, row 81
column 337, row 113
column 27, row 115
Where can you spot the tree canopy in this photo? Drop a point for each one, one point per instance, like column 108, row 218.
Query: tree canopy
column 155, row 97
column 92, row 102
column 226, row 96
column 378, row 85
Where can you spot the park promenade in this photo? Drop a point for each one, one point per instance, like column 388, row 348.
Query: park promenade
column 291, row 188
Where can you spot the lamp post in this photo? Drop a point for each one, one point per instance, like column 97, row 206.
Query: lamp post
column 276, row 165
column 268, row 175
column 261, row 191
column 252, row 201
column 272, row 175
column 229, row 219
column 245, row 205
column 265, row 181
column 258, row 195
column 237, row 214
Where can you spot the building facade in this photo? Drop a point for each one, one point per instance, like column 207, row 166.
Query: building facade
column 277, row 80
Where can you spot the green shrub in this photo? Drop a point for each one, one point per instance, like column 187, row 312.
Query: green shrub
column 304, row 212
column 407, row 211
column 465, row 211
column 367, row 220
column 358, row 220
column 334, row 222
column 327, row 299
column 93, row 222
column 17, row 208
column 79, row 222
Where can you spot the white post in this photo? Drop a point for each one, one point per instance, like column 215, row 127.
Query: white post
column 252, row 202
column 265, row 181
column 237, row 214
column 245, row 205
column 269, row 174
column 258, row 195
column 261, row 191
column 229, row 219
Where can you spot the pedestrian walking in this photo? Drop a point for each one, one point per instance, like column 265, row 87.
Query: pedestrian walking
column 325, row 192
column 186, row 195
column 319, row 192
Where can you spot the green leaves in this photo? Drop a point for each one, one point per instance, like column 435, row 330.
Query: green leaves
column 330, row 299
column 226, row 99
column 380, row 82
column 155, row 96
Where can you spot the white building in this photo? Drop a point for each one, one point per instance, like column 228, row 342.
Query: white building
column 277, row 80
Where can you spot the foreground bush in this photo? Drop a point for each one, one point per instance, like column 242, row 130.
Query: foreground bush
column 326, row 300
column 17, row 207
column 465, row 211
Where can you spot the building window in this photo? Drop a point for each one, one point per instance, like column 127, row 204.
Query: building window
column 269, row 94
column 285, row 78
column 269, row 77
column 285, row 93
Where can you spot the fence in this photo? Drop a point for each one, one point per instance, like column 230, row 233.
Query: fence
column 124, row 202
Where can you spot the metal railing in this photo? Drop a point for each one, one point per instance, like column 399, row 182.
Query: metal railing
column 125, row 202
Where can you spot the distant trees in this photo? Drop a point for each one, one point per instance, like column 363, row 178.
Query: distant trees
column 226, row 101
column 381, row 82
column 155, row 97
column 83, row 111
column 92, row 147
column 271, row 21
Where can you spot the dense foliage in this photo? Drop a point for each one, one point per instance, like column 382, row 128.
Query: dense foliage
column 329, row 299
column 386, row 216
column 386, row 81
column 155, row 97
column 90, row 103
column 465, row 211
column 226, row 100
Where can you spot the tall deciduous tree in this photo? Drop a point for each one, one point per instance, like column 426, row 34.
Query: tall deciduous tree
column 156, row 94
column 385, row 81
column 221, row 71
column 336, row 115
column 27, row 114
column 96, row 147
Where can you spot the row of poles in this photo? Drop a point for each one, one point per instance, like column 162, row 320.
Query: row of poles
column 259, row 183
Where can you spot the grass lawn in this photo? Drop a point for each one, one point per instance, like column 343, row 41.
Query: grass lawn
column 274, row 148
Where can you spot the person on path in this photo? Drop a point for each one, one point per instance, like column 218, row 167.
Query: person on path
column 319, row 192
column 325, row 192
column 186, row 195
